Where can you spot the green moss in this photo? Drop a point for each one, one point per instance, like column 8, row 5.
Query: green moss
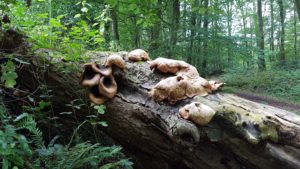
column 253, row 126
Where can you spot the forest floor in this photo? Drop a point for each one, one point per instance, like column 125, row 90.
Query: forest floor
column 255, row 97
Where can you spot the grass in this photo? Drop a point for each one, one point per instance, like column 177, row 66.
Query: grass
column 279, row 84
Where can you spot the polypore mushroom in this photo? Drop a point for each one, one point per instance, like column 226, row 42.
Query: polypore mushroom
column 197, row 112
column 171, row 89
column 186, row 83
column 89, row 77
column 197, row 87
column 190, row 72
column 168, row 65
column 138, row 55
column 115, row 60
column 215, row 85
column 95, row 96
column 108, row 86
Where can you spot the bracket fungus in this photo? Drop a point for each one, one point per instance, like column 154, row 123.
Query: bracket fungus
column 100, row 80
column 186, row 82
column 138, row 55
column 197, row 112
column 115, row 60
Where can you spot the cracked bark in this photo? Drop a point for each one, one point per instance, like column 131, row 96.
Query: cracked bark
column 243, row 134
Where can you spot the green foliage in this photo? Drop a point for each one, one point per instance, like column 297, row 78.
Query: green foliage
column 19, row 150
column 282, row 84
column 8, row 74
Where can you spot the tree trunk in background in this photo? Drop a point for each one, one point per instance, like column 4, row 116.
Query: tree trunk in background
column 107, row 34
column 242, row 135
column 205, row 40
column 229, row 28
column 297, row 4
column 155, row 30
column 272, row 48
column 295, row 34
column 260, row 40
column 174, row 26
column 198, row 46
column 192, row 36
column 114, row 26
column 282, row 32
column 136, row 33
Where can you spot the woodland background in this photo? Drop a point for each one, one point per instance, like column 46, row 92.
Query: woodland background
column 252, row 45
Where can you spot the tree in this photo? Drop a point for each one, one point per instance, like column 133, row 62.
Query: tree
column 156, row 28
column 205, row 40
column 174, row 25
column 229, row 29
column 192, row 36
column 260, row 38
column 297, row 4
column 115, row 26
column 282, row 32
column 272, row 26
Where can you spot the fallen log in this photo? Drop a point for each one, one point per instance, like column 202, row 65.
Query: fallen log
column 243, row 134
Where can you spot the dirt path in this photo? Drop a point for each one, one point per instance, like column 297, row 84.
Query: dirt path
column 269, row 101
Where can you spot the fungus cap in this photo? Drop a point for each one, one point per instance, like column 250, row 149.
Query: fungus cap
column 138, row 55
column 89, row 77
column 108, row 86
column 95, row 96
column 197, row 112
column 115, row 60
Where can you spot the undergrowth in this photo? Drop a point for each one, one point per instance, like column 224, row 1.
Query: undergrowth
column 22, row 146
column 280, row 84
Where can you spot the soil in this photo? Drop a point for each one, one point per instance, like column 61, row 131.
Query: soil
column 294, row 107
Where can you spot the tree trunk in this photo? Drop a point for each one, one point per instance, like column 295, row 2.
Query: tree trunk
column 243, row 134
column 229, row 28
column 282, row 32
column 205, row 40
column 174, row 25
column 261, row 43
column 192, row 36
column 297, row 4
column 272, row 26
column 114, row 26
column 155, row 30
column 295, row 35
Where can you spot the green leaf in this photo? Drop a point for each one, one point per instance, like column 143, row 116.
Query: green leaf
column 103, row 123
column 84, row 9
column 100, row 109
column 77, row 15
column 66, row 113
column 21, row 61
column 10, row 79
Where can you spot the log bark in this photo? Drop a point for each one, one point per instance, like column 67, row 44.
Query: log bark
column 243, row 134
